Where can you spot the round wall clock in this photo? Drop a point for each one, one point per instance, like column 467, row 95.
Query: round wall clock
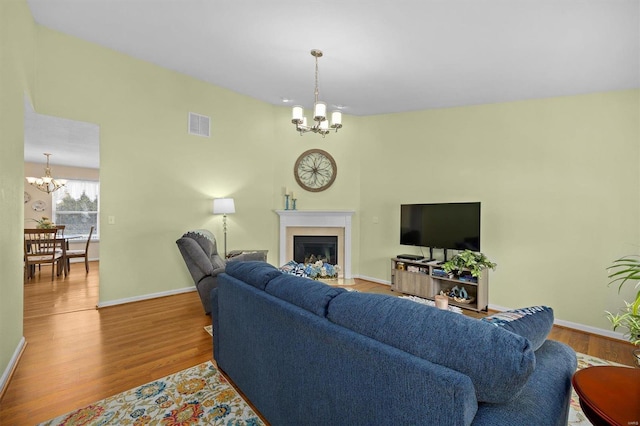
column 38, row 205
column 315, row 170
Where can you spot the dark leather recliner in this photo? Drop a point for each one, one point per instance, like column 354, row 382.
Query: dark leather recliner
column 200, row 253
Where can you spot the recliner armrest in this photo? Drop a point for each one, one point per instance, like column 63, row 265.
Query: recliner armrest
column 248, row 256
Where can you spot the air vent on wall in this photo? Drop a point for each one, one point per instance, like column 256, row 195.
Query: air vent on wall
column 199, row 124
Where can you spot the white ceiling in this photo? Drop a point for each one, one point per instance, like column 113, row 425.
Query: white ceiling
column 380, row 56
column 70, row 142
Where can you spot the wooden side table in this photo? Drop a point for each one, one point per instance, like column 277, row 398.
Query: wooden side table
column 609, row 395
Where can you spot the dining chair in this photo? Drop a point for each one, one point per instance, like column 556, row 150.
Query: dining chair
column 59, row 234
column 42, row 247
column 81, row 253
column 60, row 229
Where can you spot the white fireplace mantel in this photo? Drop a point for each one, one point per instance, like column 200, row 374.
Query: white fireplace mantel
column 317, row 219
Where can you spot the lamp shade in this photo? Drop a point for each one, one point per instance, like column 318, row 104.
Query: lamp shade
column 223, row 206
column 297, row 114
column 320, row 111
column 336, row 119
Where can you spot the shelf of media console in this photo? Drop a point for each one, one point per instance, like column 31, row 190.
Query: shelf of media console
column 435, row 273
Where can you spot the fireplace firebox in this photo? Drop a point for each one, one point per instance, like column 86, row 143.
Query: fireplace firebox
column 311, row 248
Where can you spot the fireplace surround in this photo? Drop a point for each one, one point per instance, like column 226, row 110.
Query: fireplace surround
column 319, row 223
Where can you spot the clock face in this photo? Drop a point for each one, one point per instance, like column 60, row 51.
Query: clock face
column 315, row 170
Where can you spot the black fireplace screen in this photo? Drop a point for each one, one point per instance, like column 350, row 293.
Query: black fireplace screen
column 311, row 248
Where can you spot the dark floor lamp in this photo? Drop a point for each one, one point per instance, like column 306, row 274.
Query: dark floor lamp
column 224, row 206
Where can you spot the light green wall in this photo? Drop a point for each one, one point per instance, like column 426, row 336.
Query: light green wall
column 558, row 180
column 16, row 76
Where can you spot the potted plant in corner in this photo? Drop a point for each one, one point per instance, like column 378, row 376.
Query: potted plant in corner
column 470, row 261
column 623, row 270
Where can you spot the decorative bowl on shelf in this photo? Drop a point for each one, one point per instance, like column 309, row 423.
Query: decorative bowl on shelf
column 458, row 296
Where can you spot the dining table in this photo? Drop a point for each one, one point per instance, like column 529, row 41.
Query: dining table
column 64, row 246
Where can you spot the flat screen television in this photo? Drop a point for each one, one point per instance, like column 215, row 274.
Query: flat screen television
column 454, row 226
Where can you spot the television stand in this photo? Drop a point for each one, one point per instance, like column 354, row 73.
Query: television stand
column 428, row 279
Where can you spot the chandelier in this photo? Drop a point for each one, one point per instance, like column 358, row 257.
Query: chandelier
column 321, row 124
column 47, row 183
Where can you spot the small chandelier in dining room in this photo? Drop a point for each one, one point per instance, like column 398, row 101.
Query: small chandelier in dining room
column 47, row 183
column 321, row 124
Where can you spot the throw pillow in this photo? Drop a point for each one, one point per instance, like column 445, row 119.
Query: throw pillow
column 533, row 323
column 293, row 268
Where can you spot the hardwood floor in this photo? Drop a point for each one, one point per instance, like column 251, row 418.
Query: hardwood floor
column 76, row 354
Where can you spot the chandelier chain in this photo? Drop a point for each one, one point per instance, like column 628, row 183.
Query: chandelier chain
column 317, row 92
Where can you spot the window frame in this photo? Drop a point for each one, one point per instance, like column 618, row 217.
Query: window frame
column 55, row 213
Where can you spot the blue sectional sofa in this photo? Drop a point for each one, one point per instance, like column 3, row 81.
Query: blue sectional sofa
column 305, row 353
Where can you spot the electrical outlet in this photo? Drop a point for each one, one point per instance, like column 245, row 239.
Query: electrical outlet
column 111, row 220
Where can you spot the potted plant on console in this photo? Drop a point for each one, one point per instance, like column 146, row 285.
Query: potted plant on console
column 623, row 270
column 468, row 262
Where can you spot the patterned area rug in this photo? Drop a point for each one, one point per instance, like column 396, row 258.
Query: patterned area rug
column 196, row 396
column 576, row 416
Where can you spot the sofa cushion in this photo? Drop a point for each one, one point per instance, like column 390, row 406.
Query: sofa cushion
column 314, row 296
column 498, row 362
column 255, row 273
column 532, row 323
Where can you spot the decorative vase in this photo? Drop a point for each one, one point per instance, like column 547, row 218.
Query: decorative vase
column 442, row 302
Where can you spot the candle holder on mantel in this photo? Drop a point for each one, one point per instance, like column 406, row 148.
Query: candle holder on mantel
column 293, row 200
column 286, row 201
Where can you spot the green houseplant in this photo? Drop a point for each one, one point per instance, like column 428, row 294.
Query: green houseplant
column 44, row 223
column 468, row 261
column 623, row 270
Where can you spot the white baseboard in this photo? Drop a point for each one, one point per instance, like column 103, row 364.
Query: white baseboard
column 13, row 363
column 375, row 280
column 81, row 260
column 146, row 297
